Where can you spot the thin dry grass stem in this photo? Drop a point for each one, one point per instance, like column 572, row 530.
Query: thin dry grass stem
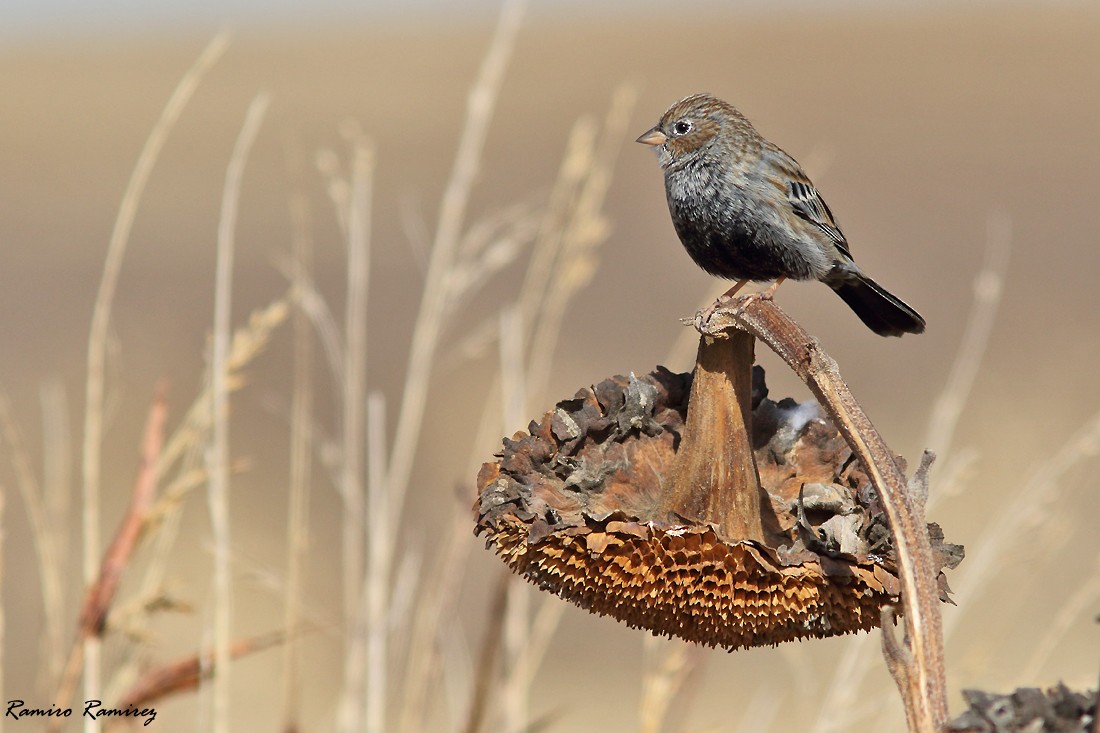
column 485, row 675
column 1042, row 489
column 38, row 514
column 525, row 642
column 301, row 447
column 953, row 477
column 187, row 479
column 988, row 292
column 440, row 592
column 97, row 338
column 162, row 529
column 417, row 235
column 842, row 696
column 513, row 388
column 575, row 166
column 217, row 456
column 306, row 296
column 337, row 186
column 352, row 439
column 763, row 708
column 248, row 342
column 380, row 595
column 1071, row 610
column 100, row 595
column 543, row 628
column 438, row 596
column 407, row 585
column 420, row 669
column 184, row 448
column 665, row 669
column 56, row 489
column 323, row 321
column 514, row 693
column 515, row 673
column 183, row 454
column 586, row 229
column 180, row 470
column 689, row 690
column 185, row 674
column 452, row 214
column 548, row 231
column 128, row 617
column 99, row 599
column 310, row 300
column 489, row 246
column 491, row 241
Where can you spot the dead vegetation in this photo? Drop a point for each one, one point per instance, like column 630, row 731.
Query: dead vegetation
column 396, row 617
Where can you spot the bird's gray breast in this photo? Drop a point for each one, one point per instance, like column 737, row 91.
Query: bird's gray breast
column 729, row 231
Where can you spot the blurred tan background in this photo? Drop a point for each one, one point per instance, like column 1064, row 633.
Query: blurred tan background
column 920, row 125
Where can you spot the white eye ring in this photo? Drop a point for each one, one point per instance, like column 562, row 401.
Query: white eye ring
column 682, row 127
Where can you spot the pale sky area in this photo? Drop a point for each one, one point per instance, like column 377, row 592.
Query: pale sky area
column 31, row 19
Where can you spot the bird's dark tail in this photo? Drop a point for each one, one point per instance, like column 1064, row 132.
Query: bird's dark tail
column 883, row 312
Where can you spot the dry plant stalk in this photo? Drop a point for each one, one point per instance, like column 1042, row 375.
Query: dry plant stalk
column 101, row 593
column 367, row 688
column 462, row 259
column 569, row 231
column 720, row 425
column 917, row 664
column 46, row 541
column 363, row 687
column 301, row 442
column 841, row 709
column 185, row 674
column 179, row 472
column 217, row 455
column 663, row 682
column 101, row 316
column 485, row 670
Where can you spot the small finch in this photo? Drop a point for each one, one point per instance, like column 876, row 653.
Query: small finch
column 745, row 211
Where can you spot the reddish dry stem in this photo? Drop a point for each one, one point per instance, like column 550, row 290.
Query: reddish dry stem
column 185, row 674
column 98, row 598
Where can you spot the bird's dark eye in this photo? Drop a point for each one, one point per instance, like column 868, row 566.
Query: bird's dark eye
column 682, row 127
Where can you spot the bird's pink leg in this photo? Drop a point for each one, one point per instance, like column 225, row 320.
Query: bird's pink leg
column 725, row 297
column 770, row 292
column 733, row 291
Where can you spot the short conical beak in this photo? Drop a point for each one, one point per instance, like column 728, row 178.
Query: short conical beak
column 652, row 137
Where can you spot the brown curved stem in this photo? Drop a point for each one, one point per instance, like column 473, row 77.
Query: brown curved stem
column 917, row 664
